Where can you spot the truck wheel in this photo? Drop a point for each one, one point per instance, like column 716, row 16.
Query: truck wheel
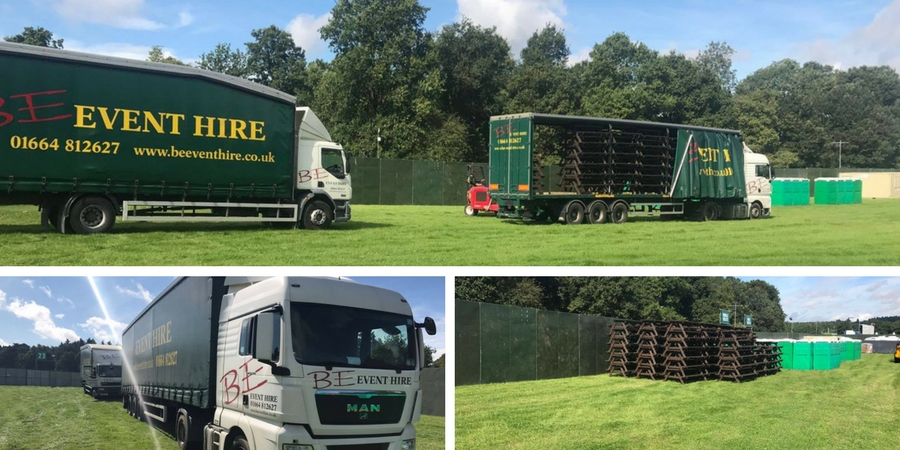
column 598, row 212
column 574, row 213
column 240, row 443
column 709, row 212
column 183, row 432
column 94, row 394
column 317, row 215
column 470, row 211
column 619, row 213
column 91, row 215
column 756, row 210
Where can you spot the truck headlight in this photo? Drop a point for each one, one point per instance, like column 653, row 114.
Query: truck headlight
column 296, row 447
column 408, row 444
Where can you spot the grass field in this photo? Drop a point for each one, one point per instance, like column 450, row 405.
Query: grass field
column 43, row 418
column 854, row 406
column 443, row 236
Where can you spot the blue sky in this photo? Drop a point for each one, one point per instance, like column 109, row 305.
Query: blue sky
column 842, row 33
column 810, row 299
column 38, row 310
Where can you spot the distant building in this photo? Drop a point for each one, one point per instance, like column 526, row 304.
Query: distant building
column 866, row 329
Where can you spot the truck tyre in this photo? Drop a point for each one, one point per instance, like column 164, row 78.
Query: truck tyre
column 94, row 394
column 756, row 210
column 709, row 212
column 470, row 211
column 598, row 212
column 240, row 443
column 574, row 213
column 619, row 213
column 91, row 215
column 317, row 215
column 183, row 432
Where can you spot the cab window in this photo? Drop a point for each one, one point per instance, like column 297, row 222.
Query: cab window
column 762, row 171
column 333, row 162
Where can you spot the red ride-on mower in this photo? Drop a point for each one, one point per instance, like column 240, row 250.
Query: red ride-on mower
column 478, row 197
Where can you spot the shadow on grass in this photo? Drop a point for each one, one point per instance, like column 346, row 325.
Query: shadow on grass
column 138, row 228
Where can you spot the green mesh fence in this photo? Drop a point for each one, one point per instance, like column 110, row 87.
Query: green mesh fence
column 500, row 343
column 405, row 182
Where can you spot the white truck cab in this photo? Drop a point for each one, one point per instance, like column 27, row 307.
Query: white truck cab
column 758, row 174
column 323, row 173
column 316, row 364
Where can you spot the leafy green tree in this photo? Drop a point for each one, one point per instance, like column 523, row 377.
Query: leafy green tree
column 157, row 55
column 380, row 77
column 35, row 36
column 274, row 60
column 475, row 65
column 716, row 58
column 223, row 60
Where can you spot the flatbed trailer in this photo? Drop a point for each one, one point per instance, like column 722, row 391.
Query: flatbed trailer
column 613, row 168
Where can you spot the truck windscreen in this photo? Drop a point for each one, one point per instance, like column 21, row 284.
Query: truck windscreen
column 327, row 335
column 109, row 371
column 333, row 162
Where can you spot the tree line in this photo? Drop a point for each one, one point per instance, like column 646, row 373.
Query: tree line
column 65, row 357
column 429, row 95
column 698, row 299
column 883, row 325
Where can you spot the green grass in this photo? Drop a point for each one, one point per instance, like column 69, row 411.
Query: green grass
column 46, row 418
column 430, row 433
column 444, row 236
column 854, row 406
column 65, row 418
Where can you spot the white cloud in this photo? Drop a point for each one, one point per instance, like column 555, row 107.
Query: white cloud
column 3, row 343
column 140, row 293
column 40, row 315
column 305, row 31
column 185, row 18
column 65, row 300
column 104, row 330
column 581, row 55
column 30, row 283
column 115, row 13
column 59, row 316
column 516, row 20
column 46, row 290
column 130, row 51
column 877, row 43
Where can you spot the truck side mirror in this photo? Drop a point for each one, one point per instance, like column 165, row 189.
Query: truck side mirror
column 429, row 325
column 94, row 372
column 348, row 159
column 264, row 348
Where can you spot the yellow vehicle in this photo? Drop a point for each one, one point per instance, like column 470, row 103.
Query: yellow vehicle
column 897, row 354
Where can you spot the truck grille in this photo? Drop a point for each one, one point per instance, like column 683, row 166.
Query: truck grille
column 359, row 447
column 359, row 407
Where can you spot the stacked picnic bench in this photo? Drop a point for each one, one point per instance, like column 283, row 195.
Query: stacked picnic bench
column 689, row 351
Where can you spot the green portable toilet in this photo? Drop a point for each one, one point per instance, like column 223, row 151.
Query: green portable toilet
column 857, row 350
column 822, row 359
column 803, row 356
column 835, row 355
column 857, row 191
column 846, row 351
column 845, row 191
column 826, row 191
column 787, row 354
column 790, row 191
column 802, row 194
column 780, row 194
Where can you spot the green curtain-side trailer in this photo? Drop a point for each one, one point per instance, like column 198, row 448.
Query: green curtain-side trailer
column 611, row 168
column 74, row 124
